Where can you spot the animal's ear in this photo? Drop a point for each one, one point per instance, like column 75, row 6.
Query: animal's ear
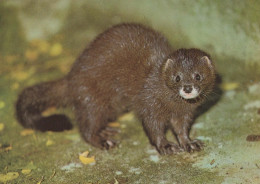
column 167, row 64
column 207, row 61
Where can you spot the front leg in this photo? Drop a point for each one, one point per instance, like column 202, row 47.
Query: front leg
column 181, row 128
column 155, row 130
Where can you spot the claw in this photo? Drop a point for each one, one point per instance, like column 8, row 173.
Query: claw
column 194, row 145
column 107, row 144
column 169, row 148
column 105, row 135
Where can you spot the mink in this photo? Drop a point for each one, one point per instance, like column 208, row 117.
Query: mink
column 129, row 67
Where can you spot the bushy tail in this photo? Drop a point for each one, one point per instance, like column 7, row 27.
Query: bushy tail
column 36, row 99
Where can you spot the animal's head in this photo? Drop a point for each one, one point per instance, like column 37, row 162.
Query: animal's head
column 190, row 73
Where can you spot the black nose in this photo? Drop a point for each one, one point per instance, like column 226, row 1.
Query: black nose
column 187, row 88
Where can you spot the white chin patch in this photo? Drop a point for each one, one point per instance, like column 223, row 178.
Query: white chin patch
column 193, row 94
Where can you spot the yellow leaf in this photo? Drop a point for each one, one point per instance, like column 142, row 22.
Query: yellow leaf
column 114, row 124
column 85, row 154
column 35, row 43
column 8, row 176
column 8, row 148
column 40, row 46
column 26, row 171
column 43, row 46
column 2, row 126
column 116, row 182
column 126, row 117
column 229, row 86
column 65, row 66
column 20, row 75
column 49, row 111
column 56, row 49
column 49, row 142
column 31, row 55
column 26, row 132
column 2, row 104
column 86, row 160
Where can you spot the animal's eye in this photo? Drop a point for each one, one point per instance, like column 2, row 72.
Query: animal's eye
column 197, row 77
column 177, row 78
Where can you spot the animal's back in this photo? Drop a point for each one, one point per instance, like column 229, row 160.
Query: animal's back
column 117, row 62
column 124, row 44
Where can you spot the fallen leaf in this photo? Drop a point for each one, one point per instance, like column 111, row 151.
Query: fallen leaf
column 26, row 132
column 56, row 49
column 41, row 46
column 49, row 111
column 2, row 104
column 20, row 75
column 114, row 124
column 116, row 182
column 44, row 47
column 35, row 43
column 8, row 148
column 64, row 68
column 8, row 176
column 2, row 126
column 26, row 171
column 5, row 147
column 86, row 160
column 31, row 55
column 126, row 117
column 229, row 86
column 49, row 142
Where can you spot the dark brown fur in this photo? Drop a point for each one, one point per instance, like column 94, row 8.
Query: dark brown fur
column 126, row 68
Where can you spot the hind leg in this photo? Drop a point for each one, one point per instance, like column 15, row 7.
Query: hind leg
column 92, row 125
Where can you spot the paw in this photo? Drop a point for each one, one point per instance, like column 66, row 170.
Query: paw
column 108, row 144
column 100, row 141
column 193, row 145
column 169, row 148
column 105, row 135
